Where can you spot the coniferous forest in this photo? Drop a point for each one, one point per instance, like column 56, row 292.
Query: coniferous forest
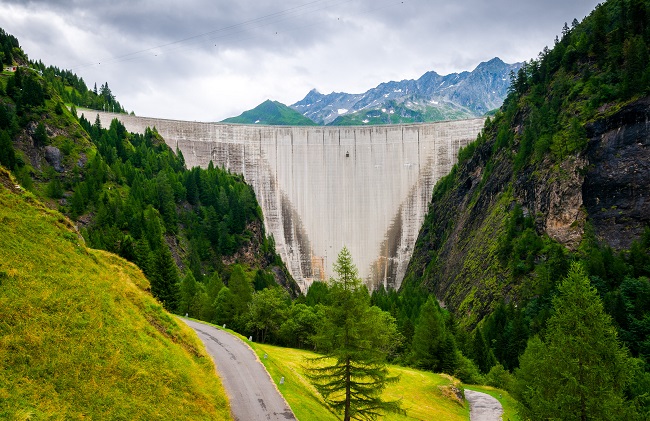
column 564, row 327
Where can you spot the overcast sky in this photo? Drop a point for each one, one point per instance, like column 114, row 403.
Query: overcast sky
column 207, row 60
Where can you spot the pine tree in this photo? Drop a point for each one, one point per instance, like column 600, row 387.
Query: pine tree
column 188, row 295
column 355, row 339
column 433, row 345
column 7, row 153
column 164, row 285
column 241, row 287
column 212, row 288
column 40, row 135
column 224, row 307
column 579, row 371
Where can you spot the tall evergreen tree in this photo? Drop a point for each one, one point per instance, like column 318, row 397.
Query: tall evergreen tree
column 433, row 345
column 7, row 153
column 355, row 339
column 224, row 307
column 242, row 289
column 579, row 371
column 189, row 295
column 164, row 285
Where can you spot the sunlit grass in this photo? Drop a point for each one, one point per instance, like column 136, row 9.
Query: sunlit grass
column 425, row 396
column 79, row 336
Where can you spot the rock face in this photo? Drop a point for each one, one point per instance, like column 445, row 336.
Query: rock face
column 606, row 185
column 554, row 198
column 53, row 157
column 617, row 182
column 321, row 188
column 432, row 97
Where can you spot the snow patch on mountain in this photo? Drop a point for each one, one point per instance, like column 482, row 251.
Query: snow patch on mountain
column 432, row 96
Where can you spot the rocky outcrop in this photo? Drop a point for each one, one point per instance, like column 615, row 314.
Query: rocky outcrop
column 616, row 189
column 53, row 157
column 606, row 185
column 553, row 196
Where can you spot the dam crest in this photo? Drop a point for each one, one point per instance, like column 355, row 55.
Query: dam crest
column 323, row 187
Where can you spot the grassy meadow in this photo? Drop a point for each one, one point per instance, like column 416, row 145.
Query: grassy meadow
column 80, row 338
column 425, row 396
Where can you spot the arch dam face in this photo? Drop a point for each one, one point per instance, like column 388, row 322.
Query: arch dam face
column 322, row 188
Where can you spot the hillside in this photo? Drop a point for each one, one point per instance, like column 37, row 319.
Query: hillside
column 425, row 396
column 560, row 174
column 193, row 232
column 432, row 97
column 271, row 113
column 80, row 335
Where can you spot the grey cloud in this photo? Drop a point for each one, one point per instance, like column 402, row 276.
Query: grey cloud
column 181, row 47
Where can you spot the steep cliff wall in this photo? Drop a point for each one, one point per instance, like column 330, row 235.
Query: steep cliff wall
column 321, row 188
column 457, row 255
column 616, row 190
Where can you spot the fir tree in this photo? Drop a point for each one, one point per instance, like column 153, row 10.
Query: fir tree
column 355, row 339
column 433, row 346
column 579, row 371
column 164, row 285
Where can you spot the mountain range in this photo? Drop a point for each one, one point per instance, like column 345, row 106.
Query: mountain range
column 432, row 97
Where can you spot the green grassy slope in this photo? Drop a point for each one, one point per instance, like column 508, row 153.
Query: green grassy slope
column 425, row 396
column 79, row 335
column 271, row 113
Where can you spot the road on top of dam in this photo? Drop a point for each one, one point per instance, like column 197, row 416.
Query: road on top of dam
column 252, row 394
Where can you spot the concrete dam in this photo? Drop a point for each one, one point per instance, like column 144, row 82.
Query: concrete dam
column 322, row 188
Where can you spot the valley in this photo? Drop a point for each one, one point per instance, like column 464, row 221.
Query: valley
column 380, row 268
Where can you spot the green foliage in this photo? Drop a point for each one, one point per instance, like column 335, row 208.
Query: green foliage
column 164, row 282
column 242, row 289
column 300, row 325
column 40, row 135
column 225, row 307
column 190, row 296
column 481, row 353
column 266, row 313
column 271, row 113
column 598, row 66
column 54, row 189
column 579, row 370
column 500, row 377
column 356, row 339
column 433, row 346
column 7, row 153
column 466, row 370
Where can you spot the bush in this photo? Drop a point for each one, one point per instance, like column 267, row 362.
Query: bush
column 466, row 370
column 499, row 377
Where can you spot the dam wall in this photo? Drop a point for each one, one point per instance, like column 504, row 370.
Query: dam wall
column 320, row 188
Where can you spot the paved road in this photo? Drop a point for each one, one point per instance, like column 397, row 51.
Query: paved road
column 253, row 396
column 483, row 407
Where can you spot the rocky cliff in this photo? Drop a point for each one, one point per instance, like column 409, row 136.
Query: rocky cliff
column 605, row 186
column 615, row 190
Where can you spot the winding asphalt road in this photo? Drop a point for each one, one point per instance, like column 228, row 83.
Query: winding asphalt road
column 253, row 396
column 483, row 407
